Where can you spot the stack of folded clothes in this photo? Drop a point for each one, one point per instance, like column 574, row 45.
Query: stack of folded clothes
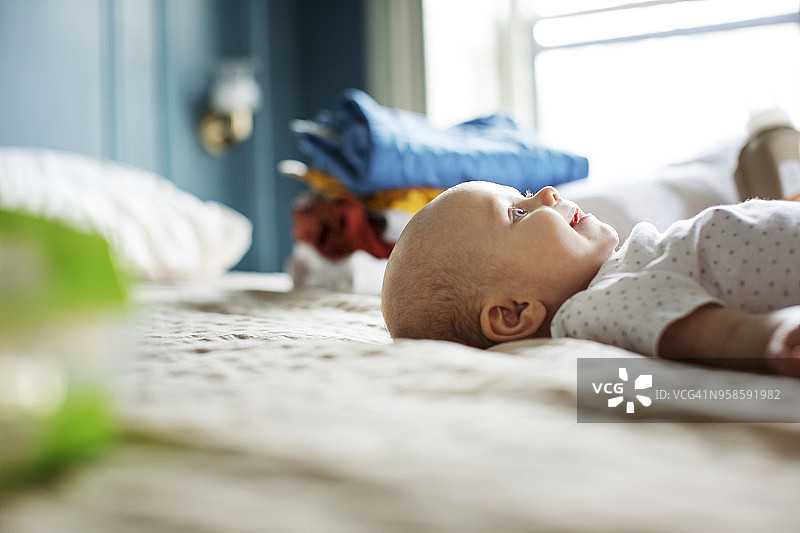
column 373, row 167
column 342, row 240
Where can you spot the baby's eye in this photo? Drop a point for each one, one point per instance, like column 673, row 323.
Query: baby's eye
column 516, row 213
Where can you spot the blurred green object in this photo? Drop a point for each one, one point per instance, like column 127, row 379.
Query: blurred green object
column 61, row 304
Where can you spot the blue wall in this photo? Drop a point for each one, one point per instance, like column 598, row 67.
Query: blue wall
column 125, row 79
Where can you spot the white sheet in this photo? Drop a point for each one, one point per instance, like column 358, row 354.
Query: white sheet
column 250, row 408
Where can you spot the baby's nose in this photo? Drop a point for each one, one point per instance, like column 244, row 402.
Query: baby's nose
column 548, row 196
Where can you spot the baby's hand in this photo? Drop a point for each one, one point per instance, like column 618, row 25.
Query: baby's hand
column 783, row 349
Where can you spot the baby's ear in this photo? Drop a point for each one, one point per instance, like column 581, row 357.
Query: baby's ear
column 504, row 319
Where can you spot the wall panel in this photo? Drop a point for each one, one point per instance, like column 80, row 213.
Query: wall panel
column 127, row 79
column 51, row 75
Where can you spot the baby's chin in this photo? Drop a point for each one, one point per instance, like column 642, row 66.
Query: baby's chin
column 609, row 235
column 614, row 239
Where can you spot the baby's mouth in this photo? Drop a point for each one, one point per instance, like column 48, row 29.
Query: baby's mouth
column 577, row 216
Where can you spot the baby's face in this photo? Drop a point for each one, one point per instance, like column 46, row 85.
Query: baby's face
column 541, row 240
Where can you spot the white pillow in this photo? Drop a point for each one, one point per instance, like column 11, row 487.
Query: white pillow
column 672, row 193
column 157, row 231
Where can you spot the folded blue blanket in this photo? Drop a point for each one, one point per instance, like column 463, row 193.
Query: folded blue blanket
column 371, row 148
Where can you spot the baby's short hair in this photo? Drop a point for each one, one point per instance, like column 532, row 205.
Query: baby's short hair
column 429, row 293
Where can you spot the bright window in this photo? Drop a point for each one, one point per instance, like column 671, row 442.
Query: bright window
column 631, row 85
column 461, row 58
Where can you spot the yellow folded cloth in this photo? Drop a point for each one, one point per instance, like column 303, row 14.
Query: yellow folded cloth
column 409, row 200
column 319, row 181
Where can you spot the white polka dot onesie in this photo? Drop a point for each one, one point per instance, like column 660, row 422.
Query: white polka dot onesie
column 744, row 256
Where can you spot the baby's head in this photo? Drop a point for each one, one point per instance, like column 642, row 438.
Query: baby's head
column 483, row 264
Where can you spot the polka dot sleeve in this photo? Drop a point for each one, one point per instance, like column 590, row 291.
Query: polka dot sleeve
column 630, row 310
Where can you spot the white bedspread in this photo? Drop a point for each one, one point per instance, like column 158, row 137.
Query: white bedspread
column 252, row 408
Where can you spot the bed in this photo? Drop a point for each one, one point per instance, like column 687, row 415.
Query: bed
column 250, row 405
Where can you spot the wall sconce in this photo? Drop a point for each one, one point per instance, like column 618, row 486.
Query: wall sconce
column 233, row 99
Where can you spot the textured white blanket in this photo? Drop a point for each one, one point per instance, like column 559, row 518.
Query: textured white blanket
column 253, row 408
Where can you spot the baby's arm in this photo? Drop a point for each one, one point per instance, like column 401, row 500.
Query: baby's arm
column 737, row 339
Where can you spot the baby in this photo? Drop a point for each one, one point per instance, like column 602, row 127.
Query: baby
column 483, row 264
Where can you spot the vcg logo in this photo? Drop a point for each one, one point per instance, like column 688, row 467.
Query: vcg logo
column 644, row 381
